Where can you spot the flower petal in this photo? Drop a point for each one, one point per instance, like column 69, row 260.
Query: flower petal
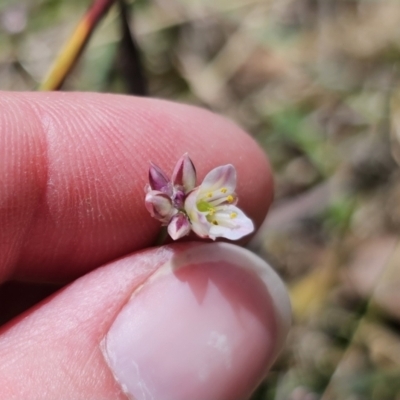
column 157, row 179
column 199, row 222
column 159, row 206
column 200, row 225
column 233, row 224
column 219, row 183
column 179, row 226
column 184, row 173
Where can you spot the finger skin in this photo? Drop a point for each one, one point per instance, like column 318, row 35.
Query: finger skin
column 57, row 350
column 73, row 167
column 53, row 349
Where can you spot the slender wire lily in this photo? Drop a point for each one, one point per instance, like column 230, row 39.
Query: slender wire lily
column 209, row 210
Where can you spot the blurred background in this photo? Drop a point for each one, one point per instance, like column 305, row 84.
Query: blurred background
column 316, row 82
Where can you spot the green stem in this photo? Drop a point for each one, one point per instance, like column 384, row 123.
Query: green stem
column 162, row 236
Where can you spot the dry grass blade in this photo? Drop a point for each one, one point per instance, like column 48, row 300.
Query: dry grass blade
column 73, row 48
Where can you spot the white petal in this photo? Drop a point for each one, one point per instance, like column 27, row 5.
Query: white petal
column 199, row 222
column 191, row 201
column 200, row 226
column 232, row 228
column 220, row 182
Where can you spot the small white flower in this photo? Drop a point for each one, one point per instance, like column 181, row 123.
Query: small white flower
column 212, row 210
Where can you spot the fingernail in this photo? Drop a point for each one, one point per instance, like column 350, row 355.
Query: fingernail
column 206, row 326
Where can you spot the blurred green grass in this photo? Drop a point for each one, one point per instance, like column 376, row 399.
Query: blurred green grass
column 316, row 83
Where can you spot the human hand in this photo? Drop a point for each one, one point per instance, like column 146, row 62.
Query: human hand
column 72, row 171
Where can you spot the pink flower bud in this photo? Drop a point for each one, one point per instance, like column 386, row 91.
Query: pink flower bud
column 179, row 226
column 184, row 173
column 157, row 179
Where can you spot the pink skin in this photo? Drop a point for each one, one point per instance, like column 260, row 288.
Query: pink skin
column 72, row 171
column 220, row 321
column 202, row 316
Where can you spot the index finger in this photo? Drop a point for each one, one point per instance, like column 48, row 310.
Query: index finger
column 73, row 167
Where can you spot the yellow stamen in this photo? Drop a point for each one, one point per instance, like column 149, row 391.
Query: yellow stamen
column 211, row 211
column 209, row 194
column 215, row 222
column 233, row 215
column 229, row 198
column 224, row 190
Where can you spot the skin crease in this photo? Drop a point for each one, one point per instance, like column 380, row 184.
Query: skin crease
column 72, row 172
column 73, row 169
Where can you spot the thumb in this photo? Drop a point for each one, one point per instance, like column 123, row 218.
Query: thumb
column 189, row 321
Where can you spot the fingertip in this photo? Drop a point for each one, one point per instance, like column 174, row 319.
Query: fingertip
column 207, row 325
column 190, row 321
